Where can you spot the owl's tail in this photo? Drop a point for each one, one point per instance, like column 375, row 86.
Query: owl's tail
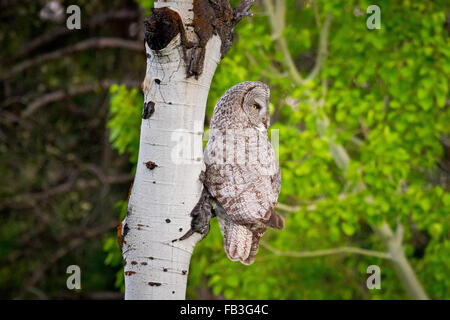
column 240, row 243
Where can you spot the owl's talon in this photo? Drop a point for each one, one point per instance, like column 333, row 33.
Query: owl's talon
column 186, row 235
column 201, row 214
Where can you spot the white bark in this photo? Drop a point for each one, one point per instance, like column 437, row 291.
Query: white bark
column 162, row 198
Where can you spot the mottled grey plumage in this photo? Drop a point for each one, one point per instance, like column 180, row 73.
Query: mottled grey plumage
column 242, row 176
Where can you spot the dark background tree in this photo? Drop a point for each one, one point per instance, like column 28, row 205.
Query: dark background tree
column 60, row 178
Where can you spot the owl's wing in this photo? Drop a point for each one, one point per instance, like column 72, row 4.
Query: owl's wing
column 276, row 221
column 247, row 192
column 246, row 196
column 240, row 191
column 276, row 182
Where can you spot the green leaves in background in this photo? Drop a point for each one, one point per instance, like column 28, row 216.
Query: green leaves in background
column 359, row 144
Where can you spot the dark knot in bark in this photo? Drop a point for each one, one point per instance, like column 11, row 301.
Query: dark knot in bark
column 161, row 27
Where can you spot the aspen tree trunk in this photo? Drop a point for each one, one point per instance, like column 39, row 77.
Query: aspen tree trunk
column 184, row 40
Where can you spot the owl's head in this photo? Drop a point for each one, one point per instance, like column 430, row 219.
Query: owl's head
column 245, row 104
column 256, row 105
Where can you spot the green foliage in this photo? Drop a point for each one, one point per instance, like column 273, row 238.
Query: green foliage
column 113, row 253
column 146, row 5
column 125, row 119
column 359, row 145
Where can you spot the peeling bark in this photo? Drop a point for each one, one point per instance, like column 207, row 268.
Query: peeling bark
column 185, row 41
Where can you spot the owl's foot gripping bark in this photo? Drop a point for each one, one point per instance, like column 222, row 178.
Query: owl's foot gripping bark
column 201, row 214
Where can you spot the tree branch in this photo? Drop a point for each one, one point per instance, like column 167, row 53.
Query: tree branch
column 287, row 208
column 61, row 31
column 276, row 18
column 29, row 199
column 72, row 91
column 316, row 13
column 404, row 270
column 308, row 205
column 327, row 252
column 322, row 50
column 61, row 252
column 99, row 43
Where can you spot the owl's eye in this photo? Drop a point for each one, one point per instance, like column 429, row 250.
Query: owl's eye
column 256, row 106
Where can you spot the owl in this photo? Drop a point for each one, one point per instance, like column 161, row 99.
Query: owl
column 242, row 177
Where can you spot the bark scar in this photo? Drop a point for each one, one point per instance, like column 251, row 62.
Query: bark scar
column 150, row 165
column 121, row 236
column 149, row 109
column 154, row 284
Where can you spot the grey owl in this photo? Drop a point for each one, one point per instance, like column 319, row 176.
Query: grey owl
column 242, row 175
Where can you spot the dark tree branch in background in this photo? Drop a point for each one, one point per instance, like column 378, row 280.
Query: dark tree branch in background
column 72, row 91
column 61, row 31
column 44, row 219
column 61, row 252
column 29, row 200
column 99, row 43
